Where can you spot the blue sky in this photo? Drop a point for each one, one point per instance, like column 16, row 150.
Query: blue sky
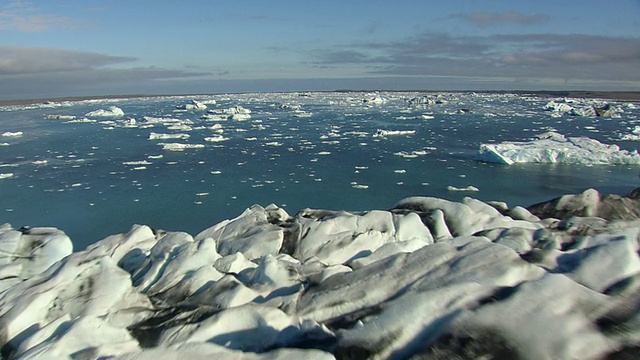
column 100, row 47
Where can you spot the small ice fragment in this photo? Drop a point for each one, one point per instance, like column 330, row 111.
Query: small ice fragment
column 469, row 188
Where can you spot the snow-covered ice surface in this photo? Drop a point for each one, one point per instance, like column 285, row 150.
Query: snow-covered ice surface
column 429, row 278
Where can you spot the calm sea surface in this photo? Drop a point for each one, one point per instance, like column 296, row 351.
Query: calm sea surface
column 94, row 176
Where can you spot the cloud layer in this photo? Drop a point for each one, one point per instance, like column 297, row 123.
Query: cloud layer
column 567, row 57
column 23, row 17
column 22, row 60
column 485, row 19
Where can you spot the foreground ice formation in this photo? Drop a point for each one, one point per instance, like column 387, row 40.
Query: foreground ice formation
column 429, row 278
column 552, row 147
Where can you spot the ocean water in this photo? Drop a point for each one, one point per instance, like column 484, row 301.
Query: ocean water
column 96, row 176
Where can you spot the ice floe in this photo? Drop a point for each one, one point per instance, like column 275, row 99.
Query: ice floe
column 633, row 136
column 180, row 146
column 12, row 133
column 469, row 188
column 383, row 133
column 111, row 112
column 159, row 136
column 553, row 147
column 429, row 277
column 216, row 138
column 60, row 117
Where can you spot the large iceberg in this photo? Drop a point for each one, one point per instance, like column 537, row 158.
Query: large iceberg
column 552, row 147
column 429, row 278
column 575, row 107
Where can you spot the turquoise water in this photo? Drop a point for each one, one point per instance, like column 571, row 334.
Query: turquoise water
column 317, row 150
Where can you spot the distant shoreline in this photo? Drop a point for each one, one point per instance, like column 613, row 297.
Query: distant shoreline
column 609, row 95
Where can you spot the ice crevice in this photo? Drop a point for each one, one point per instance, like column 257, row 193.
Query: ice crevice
column 428, row 278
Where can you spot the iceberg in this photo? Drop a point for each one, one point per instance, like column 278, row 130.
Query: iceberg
column 112, row 112
column 552, row 147
column 429, row 278
column 594, row 109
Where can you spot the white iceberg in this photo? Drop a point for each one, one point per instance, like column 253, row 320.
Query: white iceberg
column 112, row 112
column 552, row 147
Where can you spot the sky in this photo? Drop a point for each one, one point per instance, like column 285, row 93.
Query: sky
column 54, row 48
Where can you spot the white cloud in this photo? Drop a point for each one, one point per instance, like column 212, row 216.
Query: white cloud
column 23, row 17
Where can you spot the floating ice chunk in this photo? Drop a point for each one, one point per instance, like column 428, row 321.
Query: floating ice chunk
column 558, row 107
column 240, row 117
column 112, row 112
column 400, row 171
column 157, row 136
column 209, row 102
column 634, row 136
column 215, row 117
column 194, row 105
column 180, row 146
column 180, row 127
column 383, row 133
column 60, row 117
column 377, row 100
column 12, row 134
column 555, row 148
column 157, row 120
column 216, row 138
column 469, row 188
column 141, row 162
